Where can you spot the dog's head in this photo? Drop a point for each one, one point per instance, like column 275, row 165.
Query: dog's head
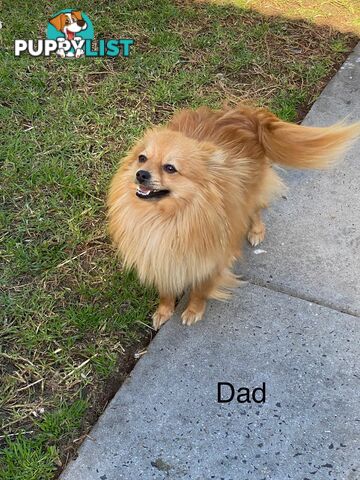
column 167, row 166
column 69, row 23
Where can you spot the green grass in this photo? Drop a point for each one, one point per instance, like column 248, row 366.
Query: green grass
column 28, row 459
column 37, row 458
column 71, row 318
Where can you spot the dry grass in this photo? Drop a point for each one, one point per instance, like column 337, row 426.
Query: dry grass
column 341, row 15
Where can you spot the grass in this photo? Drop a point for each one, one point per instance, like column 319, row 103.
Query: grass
column 71, row 319
column 342, row 15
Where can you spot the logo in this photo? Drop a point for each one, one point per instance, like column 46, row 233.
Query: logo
column 70, row 29
column 70, row 34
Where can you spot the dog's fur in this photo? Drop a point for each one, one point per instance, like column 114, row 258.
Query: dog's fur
column 224, row 177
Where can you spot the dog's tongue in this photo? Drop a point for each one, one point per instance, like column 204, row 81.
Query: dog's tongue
column 70, row 35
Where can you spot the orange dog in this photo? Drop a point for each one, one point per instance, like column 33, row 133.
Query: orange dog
column 188, row 194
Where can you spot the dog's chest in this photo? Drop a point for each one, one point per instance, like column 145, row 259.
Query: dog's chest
column 167, row 257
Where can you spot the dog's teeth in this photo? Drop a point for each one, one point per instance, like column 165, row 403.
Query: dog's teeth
column 144, row 193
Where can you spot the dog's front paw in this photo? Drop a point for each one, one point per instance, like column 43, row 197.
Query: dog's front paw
column 191, row 315
column 161, row 316
column 79, row 53
column 256, row 236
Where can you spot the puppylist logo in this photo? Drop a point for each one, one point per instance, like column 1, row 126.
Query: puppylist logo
column 70, row 34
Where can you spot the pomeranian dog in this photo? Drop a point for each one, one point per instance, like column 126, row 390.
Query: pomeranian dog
column 189, row 193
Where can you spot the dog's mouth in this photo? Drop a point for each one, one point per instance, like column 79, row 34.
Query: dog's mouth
column 147, row 193
column 70, row 35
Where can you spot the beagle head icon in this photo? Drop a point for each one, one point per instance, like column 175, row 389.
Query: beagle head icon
column 69, row 23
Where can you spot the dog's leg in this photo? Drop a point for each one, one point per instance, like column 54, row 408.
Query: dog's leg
column 164, row 311
column 197, row 303
column 256, row 233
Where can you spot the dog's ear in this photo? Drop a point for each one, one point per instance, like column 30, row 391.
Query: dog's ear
column 77, row 14
column 58, row 22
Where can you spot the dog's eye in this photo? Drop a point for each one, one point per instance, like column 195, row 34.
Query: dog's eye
column 169, row 168
column 142, row 158
column 67, row 21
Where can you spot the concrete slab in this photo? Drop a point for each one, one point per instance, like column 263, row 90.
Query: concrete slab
column 313, row 236
column 165, row 422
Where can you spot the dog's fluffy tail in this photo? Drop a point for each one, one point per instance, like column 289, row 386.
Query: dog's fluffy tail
column 299, row 146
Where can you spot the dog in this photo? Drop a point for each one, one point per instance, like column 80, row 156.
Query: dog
column 69, row 24
column 189, row 193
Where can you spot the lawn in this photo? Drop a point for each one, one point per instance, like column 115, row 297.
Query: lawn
column 343, row 15
column 72, row 321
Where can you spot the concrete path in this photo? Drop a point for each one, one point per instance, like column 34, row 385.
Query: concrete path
column 313, row 236
column 294, row 327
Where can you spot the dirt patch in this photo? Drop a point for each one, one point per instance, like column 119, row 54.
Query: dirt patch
column 101, row 395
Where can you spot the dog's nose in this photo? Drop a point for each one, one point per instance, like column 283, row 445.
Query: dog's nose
column 81, row 23
column 142, row 176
